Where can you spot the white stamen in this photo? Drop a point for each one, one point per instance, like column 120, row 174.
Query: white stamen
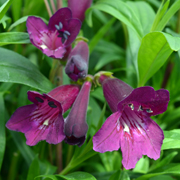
column 149, row 111
column 118, row 125
column 131, row 106
column 126, row 128
column 46, row 122
column 140, row 108
column 43, row 46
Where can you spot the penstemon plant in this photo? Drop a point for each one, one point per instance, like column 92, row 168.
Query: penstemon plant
column 89, row 90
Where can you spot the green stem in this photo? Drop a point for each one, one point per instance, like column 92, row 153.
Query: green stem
column 59, row 4
column 48, row 8
column 50, row 153
column 13, row 168
column 59, row 160
column 69, row 154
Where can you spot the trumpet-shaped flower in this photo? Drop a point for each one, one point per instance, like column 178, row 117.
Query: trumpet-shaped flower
column 43, row 119
column 57, row 36
column 78, row 8
column 130, row 126
column 77, row 63
column 75, row 127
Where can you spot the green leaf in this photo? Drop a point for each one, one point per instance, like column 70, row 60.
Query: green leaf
column 116, row 175
column 78, row 176
column 155, row 49
column 100, row 122
column 162, row 177
column 168, row 169
column 22, row 20
column 15, row 68
column 144, row 13
column 4, row 8
column 34, row 169
column 103, row 47
column 122, row 12
column 100, row 34
column 172, row 10
column 14, row 38
column 53, row 177
column 2, row 129
column 25, row 150
column 142, row 165
column 89, row 17
column 98, row 94
column 165, row 161
column 171, row 140
column 16, row 10
column 124, row 176
column 4, row 87
column 93, row 116
column 4, row 20
column 46, row 168
column 107, row 58
column 161, row 11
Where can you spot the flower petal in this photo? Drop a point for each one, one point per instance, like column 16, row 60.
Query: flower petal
column 52, row 132
column 20, row 120
column 35, row 27
column 108, row 137
column 78, row 8
column 73, row 27
column 148, row 98
column 141, row 136
column 57, row 53
column 62, row 15
column 65, row 94
column 134, row 146
column 35, row 97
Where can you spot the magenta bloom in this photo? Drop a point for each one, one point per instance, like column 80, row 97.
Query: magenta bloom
column 130, row 126
column 43, row 120
column 78, row 8
column 77, row 63
column 75, row 127
column 57, row 36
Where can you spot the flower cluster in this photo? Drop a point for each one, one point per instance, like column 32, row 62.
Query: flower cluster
column 129, row 127
column 43, row 120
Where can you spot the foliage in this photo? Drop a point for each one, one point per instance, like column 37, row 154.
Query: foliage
column 138, row 41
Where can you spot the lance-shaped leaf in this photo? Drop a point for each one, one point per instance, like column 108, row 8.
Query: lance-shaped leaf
column 15, row 68
column 155, row 49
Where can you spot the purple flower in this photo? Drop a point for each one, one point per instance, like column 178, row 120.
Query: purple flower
column 78, row 8
column 57, row 36
column 75, row 127
column 130, row 126
column 43, row 120
column 77, row 63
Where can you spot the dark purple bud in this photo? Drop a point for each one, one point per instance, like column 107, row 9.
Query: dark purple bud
column 77, row 63
column 75, row 127
column 78, row 8
column 114, row 90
